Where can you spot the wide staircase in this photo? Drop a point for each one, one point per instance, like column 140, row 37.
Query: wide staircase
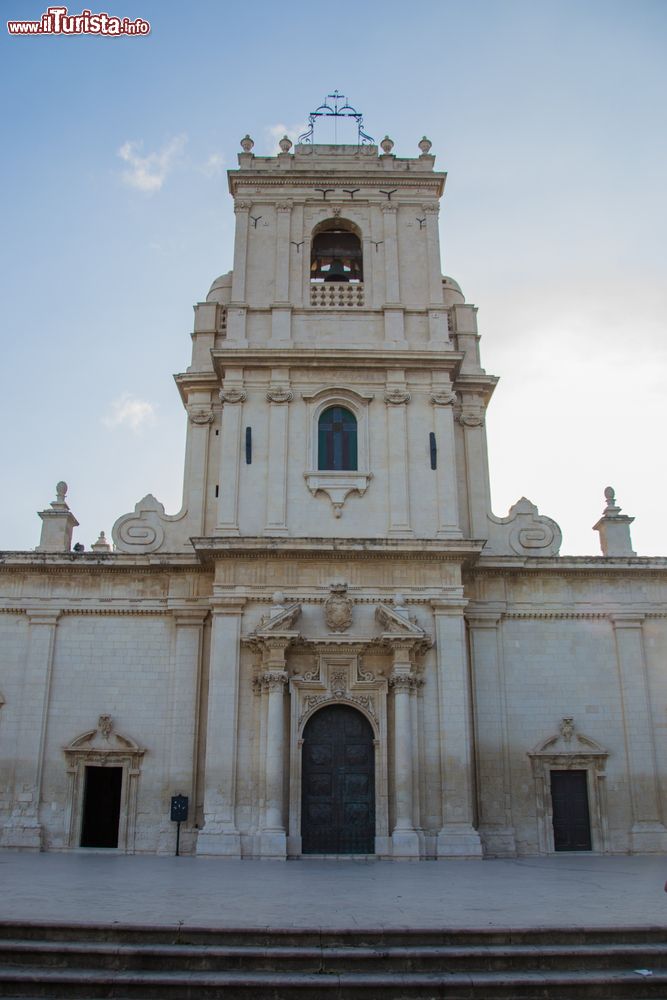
column 123, row 962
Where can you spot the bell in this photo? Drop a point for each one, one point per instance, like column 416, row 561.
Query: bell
column 336, row 272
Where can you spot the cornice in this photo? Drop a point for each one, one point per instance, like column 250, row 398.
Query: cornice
column 346, row 357
column 259, row 547
column 595, row 567
column 432, row 183
column 92, row 563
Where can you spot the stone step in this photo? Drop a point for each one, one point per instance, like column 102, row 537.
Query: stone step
column 139, row 963
column 329, row 958
column 77, row 984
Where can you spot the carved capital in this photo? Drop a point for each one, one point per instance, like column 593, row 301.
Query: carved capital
column 284, row 206
column 396, row 397
column 389, row 206
column 232, row 396
column 403, row 682
column 431, row 207
column 279, row 394
column 445, row 398
column 471, row 418
column 242, row 206
column 274, row 680
column 199, row 415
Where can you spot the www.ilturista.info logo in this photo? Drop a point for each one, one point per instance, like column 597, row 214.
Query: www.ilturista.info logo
column 57, row 21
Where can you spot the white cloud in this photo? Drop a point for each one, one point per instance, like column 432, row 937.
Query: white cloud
column 274, row 134
column 148, row 173
column 213, row 165
column 128, row 411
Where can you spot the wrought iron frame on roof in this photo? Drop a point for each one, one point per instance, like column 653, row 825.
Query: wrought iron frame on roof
column 336, row 110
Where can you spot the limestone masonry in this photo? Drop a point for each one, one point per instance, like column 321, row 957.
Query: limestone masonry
column 334, row 647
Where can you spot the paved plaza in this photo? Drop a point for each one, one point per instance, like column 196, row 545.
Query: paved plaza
column 574, row 890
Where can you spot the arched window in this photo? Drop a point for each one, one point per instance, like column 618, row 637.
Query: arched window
column 337, row 440
column 336, row 253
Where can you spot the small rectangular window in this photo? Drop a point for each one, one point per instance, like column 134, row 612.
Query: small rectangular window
column 433, row 448
column 248, row 446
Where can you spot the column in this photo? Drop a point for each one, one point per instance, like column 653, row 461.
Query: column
column 279, row 397
column 397, row 397
column 23, row 830
column 457, row 838
column 648, row 833
column 273, row 840
column 232, row 397
column 443, row 399
column 236, row 313
column 491, row 737
column 184, row 689
column 405, row 840
column 219, row 834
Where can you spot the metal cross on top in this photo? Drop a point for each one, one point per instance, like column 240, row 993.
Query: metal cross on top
column 336, row 106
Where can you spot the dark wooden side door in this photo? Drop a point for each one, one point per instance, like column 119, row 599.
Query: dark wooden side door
column 569, row 798
column 338, row 783
column 101, row 807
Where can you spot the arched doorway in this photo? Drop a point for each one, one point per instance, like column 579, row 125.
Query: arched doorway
column 338, row 783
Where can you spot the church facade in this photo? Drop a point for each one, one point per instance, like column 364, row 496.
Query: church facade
column 335, row 647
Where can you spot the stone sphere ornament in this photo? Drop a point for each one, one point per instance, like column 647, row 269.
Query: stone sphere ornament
column 285, row 144
column 425, row 145
column 247, row 143
column 387, row 144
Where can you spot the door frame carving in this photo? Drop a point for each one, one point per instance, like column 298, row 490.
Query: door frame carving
column 568, row 750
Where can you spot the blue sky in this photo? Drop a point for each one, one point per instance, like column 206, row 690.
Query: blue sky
column 550, row 120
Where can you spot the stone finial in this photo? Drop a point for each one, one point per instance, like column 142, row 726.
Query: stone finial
column 278, row 604
column 285, row 144
column 425, row 145
column 102, row 544
column 614, row 528
column 387, row 145
column 58, row 522
column 247, row 143
column 399, row 605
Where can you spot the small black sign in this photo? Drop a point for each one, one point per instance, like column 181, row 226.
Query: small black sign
column 179, row 808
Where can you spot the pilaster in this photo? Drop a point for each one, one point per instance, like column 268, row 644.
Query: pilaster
column 273, row 838
column 200, row 419
column 471, row 419
column 648, row 833
column 236, row 314
column 279, row 396
column 219, row 834
column 23, row 829
column 232, row 397
column 397, row 398
column 443, row 399
column 457, row 837
column 183, row 715
column 491, row 736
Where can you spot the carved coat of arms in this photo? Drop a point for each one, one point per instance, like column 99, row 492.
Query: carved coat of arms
column 338, row 609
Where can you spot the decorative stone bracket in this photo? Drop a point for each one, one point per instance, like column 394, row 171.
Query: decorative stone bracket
column 524, row 532
column 337, row 485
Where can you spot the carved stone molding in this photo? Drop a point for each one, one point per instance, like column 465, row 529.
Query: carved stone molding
column 242, row 206
column 404, row 682
column 284, row 206
column 232, row 395
column 396, row 397
column 431, row 207
column 389, row 207
column 279, row 394
column 445, row 398
column 338, row 609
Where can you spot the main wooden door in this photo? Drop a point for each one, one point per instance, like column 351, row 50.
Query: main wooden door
column 338, row 783
column 101, row 807
column 569, row 799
